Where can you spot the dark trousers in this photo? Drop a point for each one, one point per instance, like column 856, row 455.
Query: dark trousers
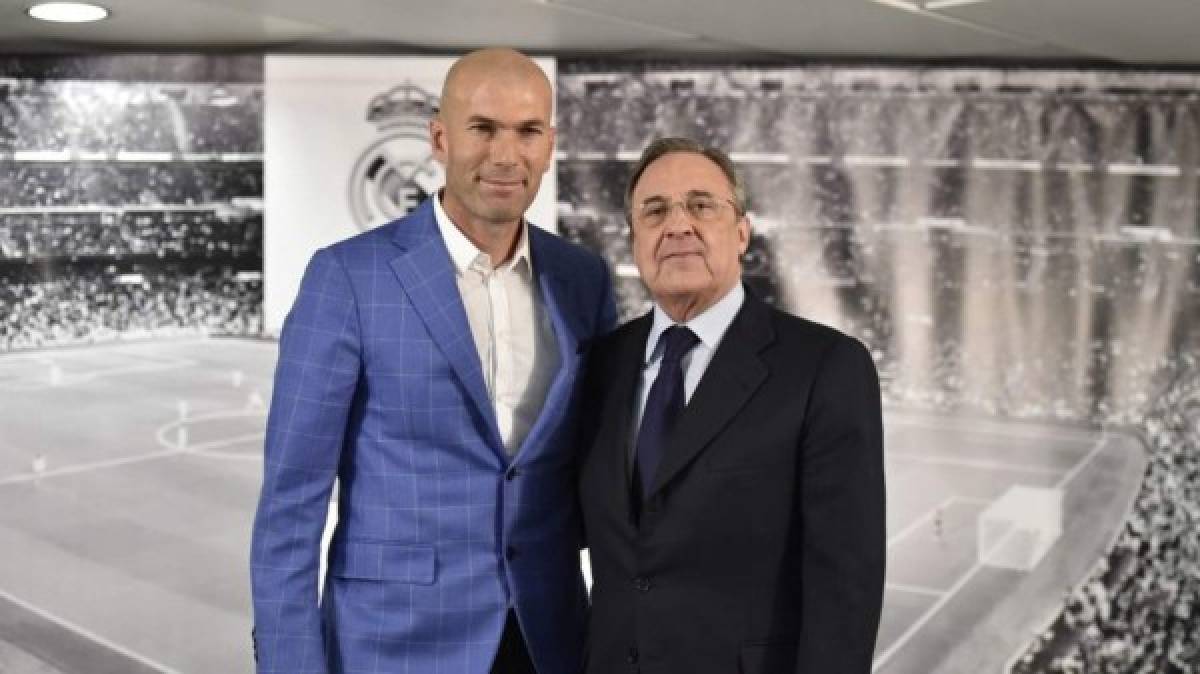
column 512, row 657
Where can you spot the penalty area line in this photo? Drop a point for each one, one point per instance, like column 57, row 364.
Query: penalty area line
column 88, row 634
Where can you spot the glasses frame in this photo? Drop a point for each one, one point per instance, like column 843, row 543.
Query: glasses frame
column 639, row 219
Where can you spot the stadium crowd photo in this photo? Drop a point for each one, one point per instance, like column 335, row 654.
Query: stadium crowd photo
column 129, row 210
column 1017, row 249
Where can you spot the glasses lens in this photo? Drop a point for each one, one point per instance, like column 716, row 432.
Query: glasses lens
column 654, row 212
column 703, row 208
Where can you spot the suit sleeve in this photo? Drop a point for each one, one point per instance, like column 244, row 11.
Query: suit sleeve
column 842, row 511
column 606, row 319
column 315, row 383
column 608, row 306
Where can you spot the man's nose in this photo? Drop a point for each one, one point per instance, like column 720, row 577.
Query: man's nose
column 504, row 149
column 679, row 221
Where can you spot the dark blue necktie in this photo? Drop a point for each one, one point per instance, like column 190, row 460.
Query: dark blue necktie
column 663, row 405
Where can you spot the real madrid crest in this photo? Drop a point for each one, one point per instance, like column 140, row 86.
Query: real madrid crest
column 397, row 170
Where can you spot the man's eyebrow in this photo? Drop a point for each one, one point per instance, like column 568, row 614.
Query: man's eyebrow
column 652, row 199
column 689, row 193
column 524, row 124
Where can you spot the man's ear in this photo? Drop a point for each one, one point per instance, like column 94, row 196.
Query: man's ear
column 553, row 136
column 437, row 139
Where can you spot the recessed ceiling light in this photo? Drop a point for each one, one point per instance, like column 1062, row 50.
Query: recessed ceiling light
column 926, row 5
column 68, row 12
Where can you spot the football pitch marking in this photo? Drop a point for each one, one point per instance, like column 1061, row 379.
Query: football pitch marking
column 56, row 377
column 255, row 457
column 1049, row 620
column 169, row 448
column 902, row 641
column 990, row 429
column 921, row 521
column 88, row 634
column 1001, row 466
column 1074, row 472
column 178, row 444
column 88, row 467
column 949, row 594
column 915, row 589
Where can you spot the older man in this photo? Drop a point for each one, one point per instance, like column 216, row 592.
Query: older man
column 428, row 366
column 732, row 476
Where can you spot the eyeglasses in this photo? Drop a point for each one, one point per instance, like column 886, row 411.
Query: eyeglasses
column 701, row 207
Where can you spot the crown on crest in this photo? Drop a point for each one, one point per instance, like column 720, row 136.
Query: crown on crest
column 403, row 105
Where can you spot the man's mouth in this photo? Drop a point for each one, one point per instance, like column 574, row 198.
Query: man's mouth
column 501, row 183
column 678, row 254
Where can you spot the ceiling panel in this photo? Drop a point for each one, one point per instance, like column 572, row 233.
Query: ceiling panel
column 824, row 28
column 1144, row 32
column 161, row 22
column 1141, row 31
column 462, row 24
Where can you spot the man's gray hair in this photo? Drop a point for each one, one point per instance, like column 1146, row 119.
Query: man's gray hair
column 661, row 147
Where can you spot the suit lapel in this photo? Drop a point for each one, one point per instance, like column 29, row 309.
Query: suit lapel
column 427, row 274
column 733, row 375
column 552, row 282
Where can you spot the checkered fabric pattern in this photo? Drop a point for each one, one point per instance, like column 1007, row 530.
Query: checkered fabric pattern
column 378, row 386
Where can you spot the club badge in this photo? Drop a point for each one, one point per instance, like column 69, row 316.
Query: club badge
column 396, row 171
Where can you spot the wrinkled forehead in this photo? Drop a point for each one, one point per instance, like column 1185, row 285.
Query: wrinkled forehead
column 688, row 196
column 678, row 175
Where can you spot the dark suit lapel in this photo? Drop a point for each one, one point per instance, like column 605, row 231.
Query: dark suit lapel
column 427, row 274
column 733, row 375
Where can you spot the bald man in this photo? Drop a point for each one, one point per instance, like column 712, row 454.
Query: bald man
column 429, row 367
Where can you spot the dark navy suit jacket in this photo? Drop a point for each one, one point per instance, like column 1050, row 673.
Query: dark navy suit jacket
column 761, row 547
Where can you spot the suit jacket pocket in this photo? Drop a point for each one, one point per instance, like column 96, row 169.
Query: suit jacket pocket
column 777, row 656
column 384, row 561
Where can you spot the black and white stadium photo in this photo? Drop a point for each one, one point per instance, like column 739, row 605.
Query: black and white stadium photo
column 600, row 337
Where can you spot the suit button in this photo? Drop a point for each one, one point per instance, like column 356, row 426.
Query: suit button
column 510, row 553
column 641, row 584
column 632, row 657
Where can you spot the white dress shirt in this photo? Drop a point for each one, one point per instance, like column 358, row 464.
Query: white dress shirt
column 709, row 326
column 513, row 334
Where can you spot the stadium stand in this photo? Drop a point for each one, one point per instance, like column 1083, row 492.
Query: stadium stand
column 128, row 210
column 179, row 183
column 198, row 233
column 825, row 165
column 97, row 302
column 1138, row 612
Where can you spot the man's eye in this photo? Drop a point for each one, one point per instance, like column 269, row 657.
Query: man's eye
column 702, row 207
column 655, row 211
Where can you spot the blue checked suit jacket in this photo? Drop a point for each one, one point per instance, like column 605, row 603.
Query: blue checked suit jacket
column 379, row 386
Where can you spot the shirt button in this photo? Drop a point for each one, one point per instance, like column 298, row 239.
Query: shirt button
column 632, row 657
column 641, row 584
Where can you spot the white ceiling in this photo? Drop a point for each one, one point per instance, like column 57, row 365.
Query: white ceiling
column 1118, row 32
